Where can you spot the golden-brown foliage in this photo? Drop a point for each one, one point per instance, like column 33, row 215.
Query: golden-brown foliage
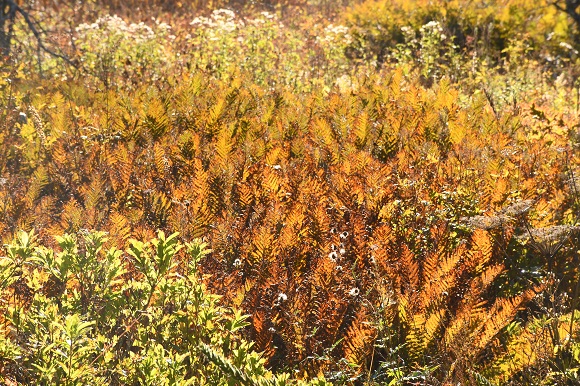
column 325, row 212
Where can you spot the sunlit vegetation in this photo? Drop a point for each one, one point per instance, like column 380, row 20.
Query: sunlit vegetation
column 290, row 192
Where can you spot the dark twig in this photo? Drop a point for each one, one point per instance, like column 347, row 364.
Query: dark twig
column 36, row 30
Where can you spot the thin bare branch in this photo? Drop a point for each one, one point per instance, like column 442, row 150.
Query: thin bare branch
column 37, row 31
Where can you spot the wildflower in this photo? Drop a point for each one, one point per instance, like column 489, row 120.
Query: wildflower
column 433, row 26
column 223, row 14
column 345, row 84
column 332, row 256
column 566, row 46
column 199, row 21
column 268, row 15
column 228, row 26
column 282, row 297
column 342, row 251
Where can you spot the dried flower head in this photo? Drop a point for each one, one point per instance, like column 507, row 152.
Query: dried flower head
column 548, row 240
column 484, row 222
column 518, row 208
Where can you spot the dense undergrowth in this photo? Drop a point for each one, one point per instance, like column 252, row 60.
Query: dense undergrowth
column 389, row 190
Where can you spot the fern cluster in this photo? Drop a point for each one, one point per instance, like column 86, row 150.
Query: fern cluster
column 327, row 215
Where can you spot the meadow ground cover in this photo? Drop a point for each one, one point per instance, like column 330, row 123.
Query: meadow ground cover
column 358, row 192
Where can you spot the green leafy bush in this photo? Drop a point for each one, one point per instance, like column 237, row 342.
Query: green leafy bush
column 84, row 314
column 489, row 30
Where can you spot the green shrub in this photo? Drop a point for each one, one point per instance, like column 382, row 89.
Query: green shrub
column 84, row 314
column 489, row 30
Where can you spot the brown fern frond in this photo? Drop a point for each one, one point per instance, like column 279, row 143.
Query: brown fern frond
column 161, row 161
column 263, row 334
column 358, row 340
column 410, row 267
column 501, row 313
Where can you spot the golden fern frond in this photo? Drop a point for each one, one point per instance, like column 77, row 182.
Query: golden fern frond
column 120, row 228
column 156, row 207
column 224, row 144
column 294, row 230
column 263, row 337
column 322, row 131
column 43, row 212
column 358, row 340
column 530, row 344
column 433, row 324
column 93, row 193
column 482, row 249
column 271, row 181
column 415, row 339
column 245, row 194
column 263, row 248
column 324, row 271
column 123, row 165
column 361, row 129
column 489, row 275
column 410, row 267
column 501, row 313
column 467, row 317
column 38, row 181
column 156, row 120
column 71, row 219
column 273, row 156
column 161, row 161
column 441, row 281
column 59, row 155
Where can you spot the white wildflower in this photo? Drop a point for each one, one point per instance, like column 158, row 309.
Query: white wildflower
column 332, row 256
column 268, row 15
